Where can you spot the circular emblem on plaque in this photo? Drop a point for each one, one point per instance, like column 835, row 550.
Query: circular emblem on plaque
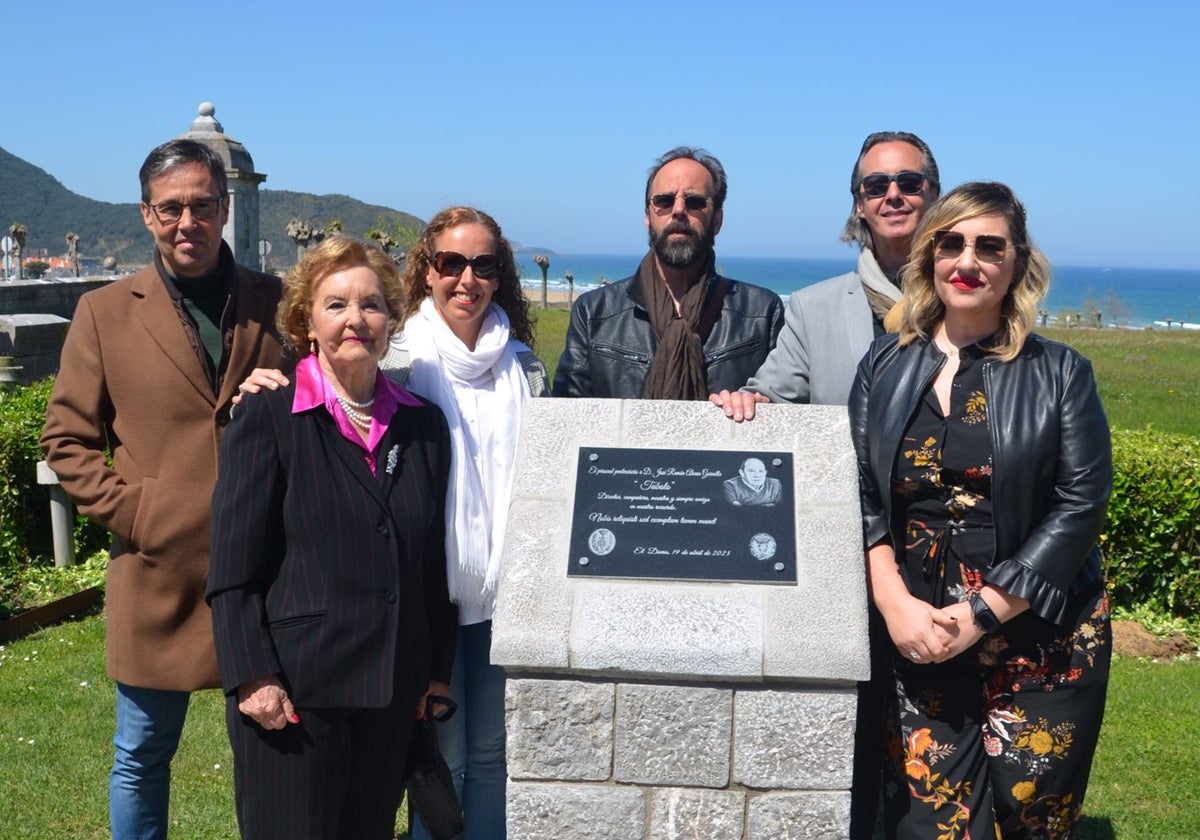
column 602, row 541
column 762, row 546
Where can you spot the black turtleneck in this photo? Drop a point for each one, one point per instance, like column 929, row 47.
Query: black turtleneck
column 205, row 299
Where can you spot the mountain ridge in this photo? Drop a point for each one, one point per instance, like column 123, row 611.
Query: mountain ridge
column 38, row 200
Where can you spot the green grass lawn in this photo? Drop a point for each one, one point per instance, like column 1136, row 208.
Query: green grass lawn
column 551, row 328
column 56, row 747
column 1147, row 378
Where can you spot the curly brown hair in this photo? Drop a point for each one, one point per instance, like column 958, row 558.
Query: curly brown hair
column 508, row 296
column 337, row 253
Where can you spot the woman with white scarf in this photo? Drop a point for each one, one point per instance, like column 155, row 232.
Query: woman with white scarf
column 465, row 347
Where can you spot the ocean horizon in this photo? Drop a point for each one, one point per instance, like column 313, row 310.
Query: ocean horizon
column 1125, row 297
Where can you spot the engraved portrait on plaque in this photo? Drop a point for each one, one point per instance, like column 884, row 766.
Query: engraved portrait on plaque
column 684, row 515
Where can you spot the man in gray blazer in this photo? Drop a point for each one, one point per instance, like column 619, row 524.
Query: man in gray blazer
column 827, row 329
column 828, row 326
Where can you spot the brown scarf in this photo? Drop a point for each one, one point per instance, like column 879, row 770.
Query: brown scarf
column 677, row 366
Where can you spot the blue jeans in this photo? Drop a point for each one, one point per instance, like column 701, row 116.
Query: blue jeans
column 149, row 723
column 473, row 740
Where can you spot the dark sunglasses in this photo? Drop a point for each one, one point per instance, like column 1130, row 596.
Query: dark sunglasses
column 663, row 202
column 453, row 264
column 876, row 184
column 949, row 245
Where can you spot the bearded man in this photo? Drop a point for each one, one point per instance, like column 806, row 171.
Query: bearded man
column 675, row 330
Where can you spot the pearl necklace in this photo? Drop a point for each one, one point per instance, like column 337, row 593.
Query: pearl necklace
column 356, row 413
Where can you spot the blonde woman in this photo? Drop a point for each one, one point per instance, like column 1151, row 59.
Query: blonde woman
column 985, row 464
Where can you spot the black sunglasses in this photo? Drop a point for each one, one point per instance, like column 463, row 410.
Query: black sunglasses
column 988, row 248
column 663, row 202
column 453, row 264
column 876, row 184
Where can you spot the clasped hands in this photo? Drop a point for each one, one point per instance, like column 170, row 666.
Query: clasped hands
column 925, row 634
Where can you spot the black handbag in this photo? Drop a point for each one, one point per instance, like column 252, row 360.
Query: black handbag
column 427, row 778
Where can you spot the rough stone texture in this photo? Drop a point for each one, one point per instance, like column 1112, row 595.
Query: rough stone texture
column 797, row 740
column 796, row 641
column 810, row 816
column 678, row 742
column 673, row 735
column 559, row 729
column 533, row 604
column 546, row 811
column 546, row 621
column 690, row 813
column 654, row 628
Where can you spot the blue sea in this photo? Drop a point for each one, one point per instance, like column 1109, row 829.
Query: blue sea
column 1126, row 297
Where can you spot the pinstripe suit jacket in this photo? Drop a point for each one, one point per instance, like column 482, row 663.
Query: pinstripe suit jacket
column 322, row 573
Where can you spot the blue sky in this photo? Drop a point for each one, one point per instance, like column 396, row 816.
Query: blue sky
column 548, row 114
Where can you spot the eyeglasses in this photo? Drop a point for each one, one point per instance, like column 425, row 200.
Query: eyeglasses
column 876, row 184
column 988, row 248
column 453, row 264
column 170, row 212
column 662, row 202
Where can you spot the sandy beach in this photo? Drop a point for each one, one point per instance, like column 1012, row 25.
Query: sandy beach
column 555, row 298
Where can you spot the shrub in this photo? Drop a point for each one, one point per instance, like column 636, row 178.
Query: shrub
column 24, row 504
column 1151, row 542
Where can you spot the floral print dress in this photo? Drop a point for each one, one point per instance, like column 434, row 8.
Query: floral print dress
column 998, row 742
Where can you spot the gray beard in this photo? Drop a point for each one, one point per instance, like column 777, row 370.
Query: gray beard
column 680, row 253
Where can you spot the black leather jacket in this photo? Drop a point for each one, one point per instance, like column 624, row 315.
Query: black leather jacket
column 1051, row 461
column 610, row 341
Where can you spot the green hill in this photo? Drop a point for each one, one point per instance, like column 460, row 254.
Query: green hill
column 34, row 198
column 49, row 210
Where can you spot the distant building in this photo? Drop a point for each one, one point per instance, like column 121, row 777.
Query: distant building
column 241, row 231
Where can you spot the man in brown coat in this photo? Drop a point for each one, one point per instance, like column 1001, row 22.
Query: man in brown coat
column 149, row 369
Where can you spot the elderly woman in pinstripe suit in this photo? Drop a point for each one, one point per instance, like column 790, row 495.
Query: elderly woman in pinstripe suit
column 328, row 572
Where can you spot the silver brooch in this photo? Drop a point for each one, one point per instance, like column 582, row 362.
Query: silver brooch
column 393, row 458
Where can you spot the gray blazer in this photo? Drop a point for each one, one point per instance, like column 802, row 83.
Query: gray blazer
column 827, row 329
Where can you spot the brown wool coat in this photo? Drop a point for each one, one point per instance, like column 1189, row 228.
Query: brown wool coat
column 130, row 380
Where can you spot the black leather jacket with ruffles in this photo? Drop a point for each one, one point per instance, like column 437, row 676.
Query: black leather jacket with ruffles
column 1051, row 461
column 610, row 341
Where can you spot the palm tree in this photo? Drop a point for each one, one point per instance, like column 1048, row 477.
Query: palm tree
column 570, row 288
column 543, row 262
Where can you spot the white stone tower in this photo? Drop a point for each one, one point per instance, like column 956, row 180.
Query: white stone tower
column 241, row 231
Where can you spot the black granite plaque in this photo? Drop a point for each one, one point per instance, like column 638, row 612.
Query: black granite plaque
column 682, row 514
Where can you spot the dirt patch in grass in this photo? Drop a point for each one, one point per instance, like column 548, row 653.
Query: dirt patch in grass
column 1130, row 638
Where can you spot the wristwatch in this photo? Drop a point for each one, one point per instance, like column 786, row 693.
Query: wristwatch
column 985, row 619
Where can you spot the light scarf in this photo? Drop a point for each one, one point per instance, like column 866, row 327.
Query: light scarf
column 476, row 515
column 882, row 294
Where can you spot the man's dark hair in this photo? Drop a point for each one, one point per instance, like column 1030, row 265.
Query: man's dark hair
column 180, row 152
column 702, row 157
column 856, row 229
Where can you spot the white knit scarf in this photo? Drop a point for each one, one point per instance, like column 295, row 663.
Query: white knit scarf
column 476, row 516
